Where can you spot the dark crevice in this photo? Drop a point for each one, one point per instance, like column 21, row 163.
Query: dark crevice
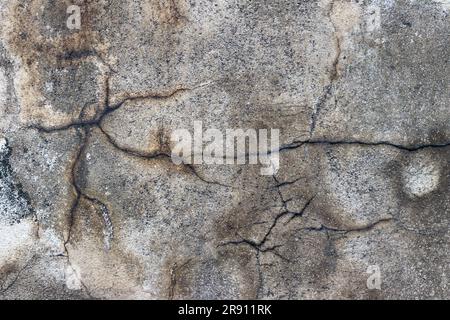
column 327, row 91
column 84, row 139
column 84, row 136
column 174, row 277
column 105, row 213
column 131, row 152
column 156, row 155
column 368, row 227
column 287, row 183
column 323, row 99
column 102, row 112
column 259, row 246
column 194, row 171
column 412, row 148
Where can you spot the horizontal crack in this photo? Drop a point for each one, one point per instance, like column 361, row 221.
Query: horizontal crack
column 298, row 144
column 132, row 152
column 349, row 230
column 156, row 155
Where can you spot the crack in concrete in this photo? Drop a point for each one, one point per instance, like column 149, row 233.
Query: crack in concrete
column 97, row 122
column 107, row 109
column 327, row 92
column 108, row 233
column 75, row 187
column 108, row 227
column 411, row 148
column 17, row 276
column 195, row 172
column 287, row 183
column 259, row 246
column 286, row 201
column 156, row 155
column 173, row 278
column 368, row 227
column 132, row 152
column 100, row 116
column 101, row 113
column 79, row 195
column 74, row 272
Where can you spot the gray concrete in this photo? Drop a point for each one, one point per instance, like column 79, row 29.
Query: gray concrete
column 91, row 205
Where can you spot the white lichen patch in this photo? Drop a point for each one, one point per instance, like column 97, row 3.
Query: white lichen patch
column 73, row 281
column 421, row 178
column 13, row 201
column 52, row 242
column 345, row 16
column 15, row 241
column 373, row 18
column 3, row 89
column 444, row 3
column 3, row 145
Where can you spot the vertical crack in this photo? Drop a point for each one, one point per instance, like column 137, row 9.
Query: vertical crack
column 174, row 277
column 327, row 91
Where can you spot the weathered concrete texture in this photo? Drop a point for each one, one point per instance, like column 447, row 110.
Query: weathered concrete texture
column 92, row 206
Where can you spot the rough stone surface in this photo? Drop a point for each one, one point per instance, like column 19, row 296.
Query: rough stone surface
column 91, row 205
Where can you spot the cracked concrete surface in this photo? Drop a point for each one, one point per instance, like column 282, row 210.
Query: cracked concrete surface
column 92, row 207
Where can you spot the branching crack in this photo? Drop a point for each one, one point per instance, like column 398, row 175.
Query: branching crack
column 156, row 155
column 108, row 227
column 260, row 245
column 285, row 202
column 78, row 193
column 102, row 113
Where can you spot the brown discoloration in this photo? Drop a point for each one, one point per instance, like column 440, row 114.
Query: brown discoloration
column 41, row 50
column 25, row 32
column 175, row 271
column 192, row 279
column 172, row 13
column 7, row 269
column 339, row 203
column 163, row 141
column 101, row 269
column 256, row 203
column 427, row 213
